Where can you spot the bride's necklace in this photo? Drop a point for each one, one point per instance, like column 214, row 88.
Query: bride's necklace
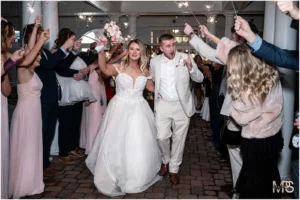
column 31, row 70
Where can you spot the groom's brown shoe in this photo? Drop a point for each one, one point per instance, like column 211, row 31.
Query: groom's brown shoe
column 174, row 178
column 163, row 169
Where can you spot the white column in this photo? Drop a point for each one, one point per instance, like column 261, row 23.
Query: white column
column 132, row 20
column 27, row 17
column 212, row 27
column 229, row 22
column 286, row 38
column 50, row 20
column 269, row 21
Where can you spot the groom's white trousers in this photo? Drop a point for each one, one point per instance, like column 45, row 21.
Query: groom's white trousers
column 167, row 115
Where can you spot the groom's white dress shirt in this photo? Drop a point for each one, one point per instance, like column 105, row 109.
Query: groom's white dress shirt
column 167, row 88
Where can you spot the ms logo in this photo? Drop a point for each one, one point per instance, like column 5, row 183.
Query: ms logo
column 285, row 186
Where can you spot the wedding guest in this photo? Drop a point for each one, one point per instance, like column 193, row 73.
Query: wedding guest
column 69, row 117
column 26, row 166
column 258, row 107
column 7, row 38
column 95, row 110
column 51, row 91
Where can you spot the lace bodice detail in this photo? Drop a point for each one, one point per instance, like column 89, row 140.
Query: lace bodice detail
column 127, row 87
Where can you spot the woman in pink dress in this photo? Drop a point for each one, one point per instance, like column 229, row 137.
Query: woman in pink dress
column 8, row 62
column 26, row 151
column 92, row 113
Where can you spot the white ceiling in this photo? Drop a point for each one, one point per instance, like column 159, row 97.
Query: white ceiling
column 154, row 7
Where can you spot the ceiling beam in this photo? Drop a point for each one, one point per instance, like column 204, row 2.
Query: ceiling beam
column 152, row 13
column 100, row 5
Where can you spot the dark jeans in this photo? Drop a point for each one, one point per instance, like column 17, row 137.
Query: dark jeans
column 77, row 114
column 69, row 118
column 49, row 118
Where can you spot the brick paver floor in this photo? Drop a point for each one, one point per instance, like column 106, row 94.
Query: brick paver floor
column 203, row 174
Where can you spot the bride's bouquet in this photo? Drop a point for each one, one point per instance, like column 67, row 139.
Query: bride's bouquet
column 111, row 36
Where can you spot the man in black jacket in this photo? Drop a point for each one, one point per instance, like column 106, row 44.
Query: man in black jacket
column 51, row 64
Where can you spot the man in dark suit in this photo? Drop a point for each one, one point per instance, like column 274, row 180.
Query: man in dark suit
column 51, row 93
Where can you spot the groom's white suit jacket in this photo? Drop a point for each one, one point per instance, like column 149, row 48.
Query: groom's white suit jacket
column 182, row 80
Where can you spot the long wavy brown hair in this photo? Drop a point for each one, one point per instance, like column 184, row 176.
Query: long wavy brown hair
column 63, row 35
column 7, row 30
column 143, row 60
column 246, row 72
column 28, row 29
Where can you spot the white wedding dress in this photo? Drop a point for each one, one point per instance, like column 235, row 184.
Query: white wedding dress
column 125, row 157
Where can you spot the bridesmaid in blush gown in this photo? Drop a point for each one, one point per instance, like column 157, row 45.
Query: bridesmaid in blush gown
column 92, row 112
column 26, row 150
column 9, row 62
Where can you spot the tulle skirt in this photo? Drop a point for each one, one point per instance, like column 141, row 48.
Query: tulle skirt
column 75, row 91
column 205, row 110
column 125, row 157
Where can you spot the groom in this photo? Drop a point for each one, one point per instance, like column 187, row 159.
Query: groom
column 174, row 103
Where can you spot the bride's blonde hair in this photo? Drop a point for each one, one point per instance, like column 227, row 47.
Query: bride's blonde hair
column 143, row 60
column 246, row 72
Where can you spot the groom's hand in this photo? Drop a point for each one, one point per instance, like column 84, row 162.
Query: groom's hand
column 188, row 63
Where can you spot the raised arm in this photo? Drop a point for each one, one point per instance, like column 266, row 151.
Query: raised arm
column 30, row 57
column 119, row 57
column 204, row 31
column 11, row 62
column 107, row 69
column 201, row 47
column 32, row 38
column 195, row 73
column 289, row 7
column 262, row 49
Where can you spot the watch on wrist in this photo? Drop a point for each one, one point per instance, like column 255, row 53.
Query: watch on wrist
column 191, row 33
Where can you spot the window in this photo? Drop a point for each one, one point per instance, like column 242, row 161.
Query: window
column 17, row 33
column 90, row 37
column 84, row 49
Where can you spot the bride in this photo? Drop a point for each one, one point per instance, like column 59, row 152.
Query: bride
column 125, row 157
